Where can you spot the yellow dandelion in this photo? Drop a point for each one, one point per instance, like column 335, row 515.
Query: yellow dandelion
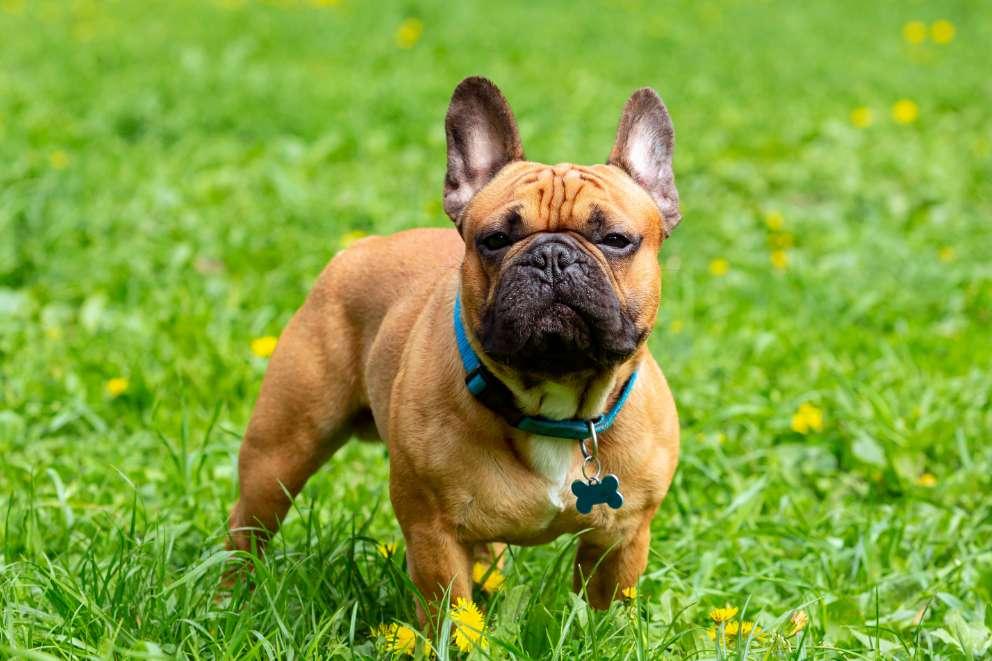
column 408, row 33
column 914, row 32
column 719, row 615
column 677, row 326
column 748, row 628
column 352, row 237
column 730, row 629
column 719, row 267
column 264, row 346
column 491, row 583
column 386, row 549
column 13, row 7
column 862, row 117
column 117, row 386
column 942, row 31
column 780, row 260
column 398, row 639
column 928, row 480
column 807, row 418
column 59, row 160
column 905, row 111
column 774, row 220
column 470, row 625
column 799, row 620
column 946, row 254
column 629, row 593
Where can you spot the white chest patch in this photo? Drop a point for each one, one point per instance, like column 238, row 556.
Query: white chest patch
column 552, row 458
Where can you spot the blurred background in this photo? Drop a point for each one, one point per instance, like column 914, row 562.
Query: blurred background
column 174, row 175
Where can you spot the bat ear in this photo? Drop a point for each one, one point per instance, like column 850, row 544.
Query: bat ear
column 644, row 149
column 482, row 137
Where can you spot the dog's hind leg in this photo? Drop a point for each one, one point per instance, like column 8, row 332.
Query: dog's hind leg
column 308, row 398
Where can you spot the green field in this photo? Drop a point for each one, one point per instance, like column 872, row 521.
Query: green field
column 173, row 176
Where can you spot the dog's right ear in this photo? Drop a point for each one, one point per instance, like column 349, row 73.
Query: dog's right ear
column 482, row 138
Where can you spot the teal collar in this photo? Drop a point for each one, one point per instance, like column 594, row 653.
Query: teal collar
column 491, row 392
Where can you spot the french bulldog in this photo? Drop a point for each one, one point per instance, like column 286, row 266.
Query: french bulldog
column 503, row 361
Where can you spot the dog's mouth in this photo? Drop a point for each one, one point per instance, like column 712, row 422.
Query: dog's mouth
column 557, row 337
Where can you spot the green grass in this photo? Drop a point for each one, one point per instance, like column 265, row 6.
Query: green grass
column 173, row 175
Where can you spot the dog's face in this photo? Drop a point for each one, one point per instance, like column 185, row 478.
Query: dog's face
column 561, row 272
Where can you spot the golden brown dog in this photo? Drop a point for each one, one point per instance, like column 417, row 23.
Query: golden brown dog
column 556, row 269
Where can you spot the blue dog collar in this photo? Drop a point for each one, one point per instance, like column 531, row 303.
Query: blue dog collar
column 482, row 384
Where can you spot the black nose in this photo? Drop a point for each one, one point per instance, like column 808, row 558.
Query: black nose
column 552, row 256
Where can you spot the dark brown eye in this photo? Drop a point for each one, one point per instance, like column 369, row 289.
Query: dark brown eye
column 616, row 241
column 496, row 241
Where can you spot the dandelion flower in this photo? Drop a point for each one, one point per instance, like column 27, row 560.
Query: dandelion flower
column 469, row 625
column 774, row 220
column 928, row 480
column 408, row 33
column 861, row 117
column 386, row 549
column 780, row 259
column 914, row 32
column 264, row 346
column 629, row 593
column 807, row 418
column 58, row 159
column 799, row 621
column 942, row 31
column 905, row 111
column 352, row 237
column 719, row 615
column 946, row 254
column 748, row 628
column 117, row 386
column 491, row 583
column 719, row 267
column 398, row 639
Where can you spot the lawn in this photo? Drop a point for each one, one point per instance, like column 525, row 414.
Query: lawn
column 173, row 176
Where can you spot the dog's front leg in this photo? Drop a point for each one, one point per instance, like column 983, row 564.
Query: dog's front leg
column 437, row 561
column 606, row 572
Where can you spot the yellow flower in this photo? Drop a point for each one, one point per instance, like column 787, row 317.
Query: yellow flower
column 799, row 621
column 264, row 346
column 719, row 267
column 677, row 326
column 719, row 615
column 58, row 159
column 861, row 117
column 493, row 582
column 928, row 480
column 905, row 111
column 408, row 33
column 946, row 254
column 942, row 31
column 386, row 549
column 774, row 220
column 350, row 238
column 807, row 418
column 747, row 628
column 629, row 593
column 398, row 639
column 470, row 626
column 914, row 32
column 780, row 259
column 117, row 386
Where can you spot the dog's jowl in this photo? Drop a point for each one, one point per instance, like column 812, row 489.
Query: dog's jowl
column 503, row 360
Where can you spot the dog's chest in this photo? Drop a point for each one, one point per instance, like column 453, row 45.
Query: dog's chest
column 552, row 459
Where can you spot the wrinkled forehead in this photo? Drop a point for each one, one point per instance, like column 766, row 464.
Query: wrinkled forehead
column 560, row 197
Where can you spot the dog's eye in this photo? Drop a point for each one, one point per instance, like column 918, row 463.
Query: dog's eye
column 496, row 241
column 618, row 241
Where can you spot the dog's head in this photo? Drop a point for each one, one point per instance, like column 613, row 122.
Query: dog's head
column 561, row 273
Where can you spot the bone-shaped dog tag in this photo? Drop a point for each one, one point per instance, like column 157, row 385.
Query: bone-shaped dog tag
column 597, row 492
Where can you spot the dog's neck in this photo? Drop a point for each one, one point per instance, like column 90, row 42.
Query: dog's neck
column 583, row 396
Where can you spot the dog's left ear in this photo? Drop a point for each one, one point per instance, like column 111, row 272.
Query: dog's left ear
column 482, row 138
column 644, row 147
